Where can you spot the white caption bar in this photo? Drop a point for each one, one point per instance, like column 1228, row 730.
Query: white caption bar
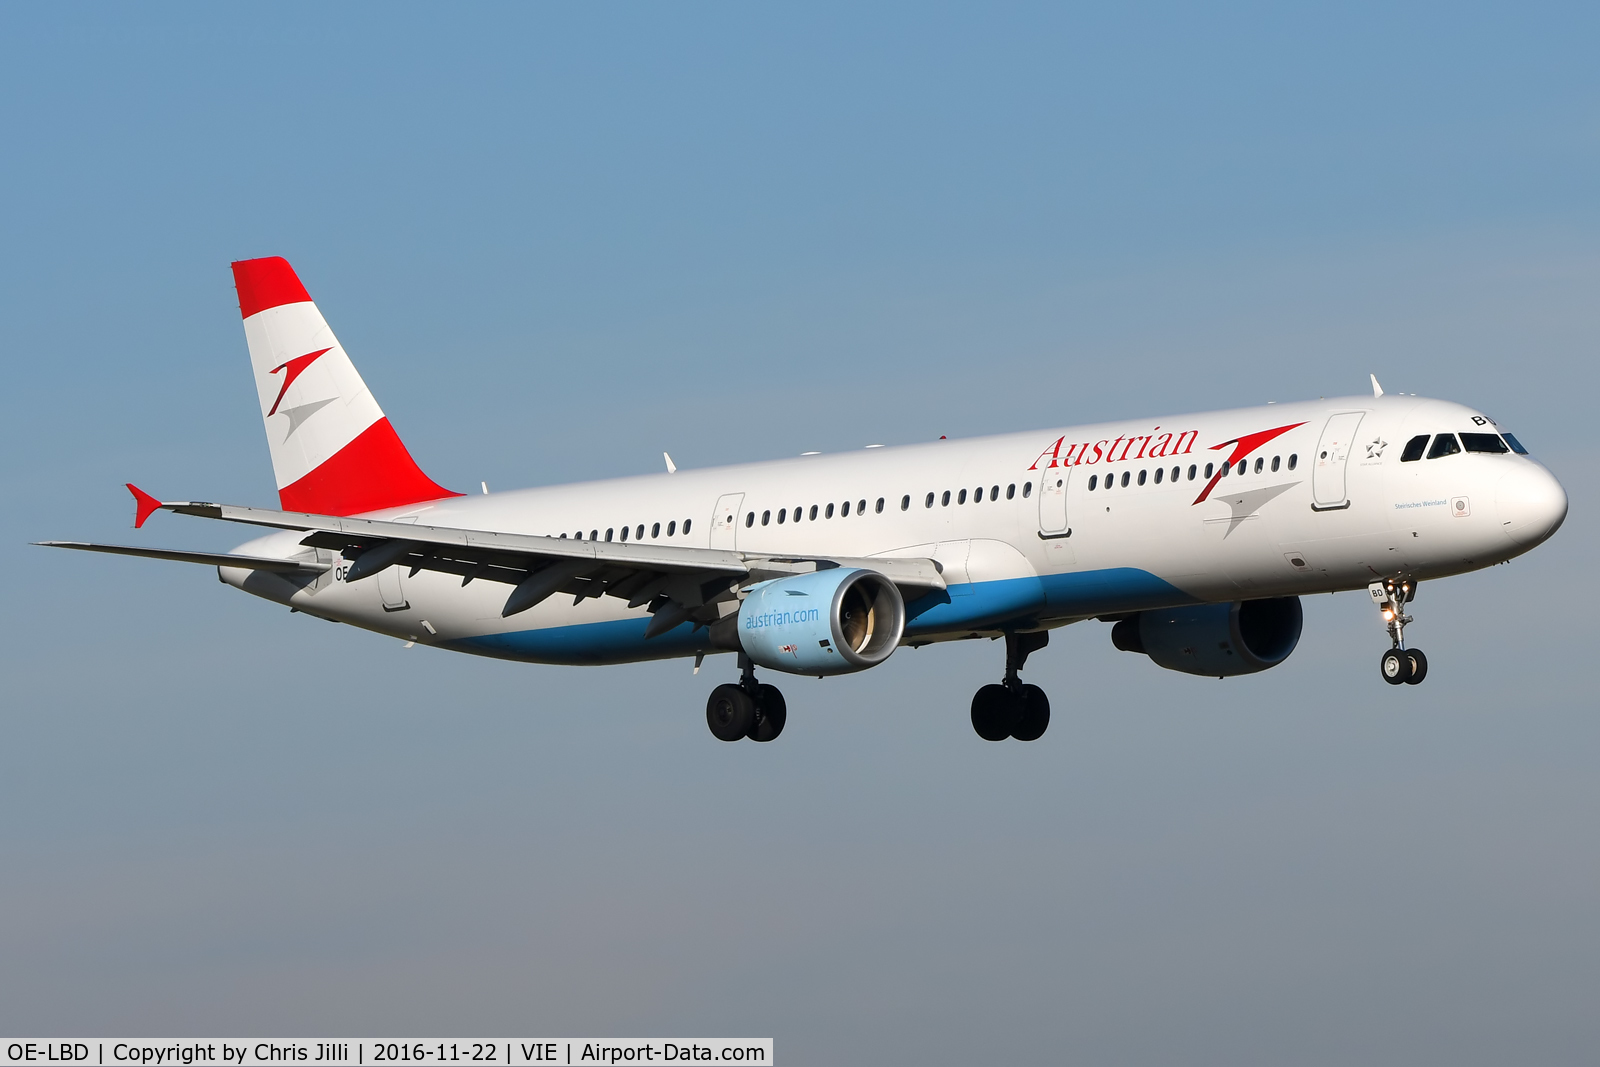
column 473, row 1052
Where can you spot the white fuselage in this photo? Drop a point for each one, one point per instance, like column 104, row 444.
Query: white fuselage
column 1331, row 507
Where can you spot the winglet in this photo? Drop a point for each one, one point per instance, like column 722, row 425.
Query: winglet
column 145, row 504
column 1377, row 390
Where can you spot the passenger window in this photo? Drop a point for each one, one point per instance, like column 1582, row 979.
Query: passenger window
column 1275, row 461
column 962, row 498
column 781, row 513
column 608, row 534
column 1027, row 490
column 563, row 537
column 944, row 501
column 749, row 520
column 1209, row 469
column 594, row 535
column 798, row 512
column 655, row 530
column 672, row 527
column 844, row 509
column 1191, row 472
column 1125, row 479
column 994, row 493
column 813, row 513
column 828, row 514
column 686, row 527
column 861, row 506
column 929, row 501
column 1444, row 445
column 1177, row 471
column 878, row 507
column 1011, row 491
column 1516, row 446
column 638, row 534
column 1159, row 472
column 1414, row 448
column 1483, row 442
column 1093, row 478
column 1141, row 477
column 766, row 517
column 1259, row 464
column 1294, row 460
column 624, row 533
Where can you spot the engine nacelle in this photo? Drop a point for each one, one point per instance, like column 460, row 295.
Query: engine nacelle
column 1217, row 640
column 827, row 622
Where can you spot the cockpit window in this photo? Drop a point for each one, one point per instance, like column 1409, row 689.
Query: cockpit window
column 1483, row 442
column 1444, row 445
column 1516, row 446
column 1414, row 449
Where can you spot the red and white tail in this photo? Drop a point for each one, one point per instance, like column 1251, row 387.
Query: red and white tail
column 333, row 451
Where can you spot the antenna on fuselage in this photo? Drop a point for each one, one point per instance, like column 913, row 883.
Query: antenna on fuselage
column 672, row 468
column 1377, row 390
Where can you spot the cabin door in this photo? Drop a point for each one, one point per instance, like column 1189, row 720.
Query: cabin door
column 1053, row 502
column 725, row 521
column 1327, row 466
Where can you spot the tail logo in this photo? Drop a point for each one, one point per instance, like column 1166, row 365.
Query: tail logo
column 293, row 368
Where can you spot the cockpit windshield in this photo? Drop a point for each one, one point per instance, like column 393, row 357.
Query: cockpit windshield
column 1483, row 442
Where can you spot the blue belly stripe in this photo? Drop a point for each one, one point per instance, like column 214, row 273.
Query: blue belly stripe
column 980, row 605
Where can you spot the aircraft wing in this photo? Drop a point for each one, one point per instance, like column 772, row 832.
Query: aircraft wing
column 678, row 583
column 216, row 559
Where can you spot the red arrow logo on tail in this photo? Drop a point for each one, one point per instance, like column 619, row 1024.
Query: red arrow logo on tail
column 294, row 367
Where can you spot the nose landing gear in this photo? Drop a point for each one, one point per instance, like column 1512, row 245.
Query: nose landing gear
column 1400, row 665
column 748, row 709
column 1013, row 709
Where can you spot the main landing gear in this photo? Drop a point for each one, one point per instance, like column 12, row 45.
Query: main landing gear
column 748, row 709
column 1013, row 709
column 1400, row 665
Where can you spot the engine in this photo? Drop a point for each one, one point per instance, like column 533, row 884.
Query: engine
column 1218, row 640
column 828, row 622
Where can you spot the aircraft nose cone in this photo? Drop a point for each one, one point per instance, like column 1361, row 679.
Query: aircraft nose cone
column 1532, row 504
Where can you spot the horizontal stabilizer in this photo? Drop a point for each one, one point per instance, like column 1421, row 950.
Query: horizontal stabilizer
column 213, row 559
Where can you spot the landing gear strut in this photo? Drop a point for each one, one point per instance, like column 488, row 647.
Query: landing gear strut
column 1012, row 709
column 1399, row 665
column 748, row 709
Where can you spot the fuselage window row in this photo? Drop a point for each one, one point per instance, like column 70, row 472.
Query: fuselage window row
column 637, row 532
column 1111, row 480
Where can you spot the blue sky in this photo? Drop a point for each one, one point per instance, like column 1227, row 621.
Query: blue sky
column 559, row 240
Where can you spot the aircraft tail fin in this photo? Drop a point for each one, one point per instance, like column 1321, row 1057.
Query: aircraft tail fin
column 333, row 451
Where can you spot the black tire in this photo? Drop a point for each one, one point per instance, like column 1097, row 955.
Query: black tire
column 1419, row 666
column 994, row 712
column 1034, row 717
column 1395, row 666
column 771, row 713
column 730, row 713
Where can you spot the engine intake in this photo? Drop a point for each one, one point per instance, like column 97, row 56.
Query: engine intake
column 828, row 622
column 1215, row 640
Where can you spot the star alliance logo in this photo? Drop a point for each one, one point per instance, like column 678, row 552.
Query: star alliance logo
column 1375, row 448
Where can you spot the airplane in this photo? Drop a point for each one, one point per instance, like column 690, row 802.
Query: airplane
column 1193, row 535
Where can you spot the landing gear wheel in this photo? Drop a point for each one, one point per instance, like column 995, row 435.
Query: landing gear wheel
column 1395, row 666
column 771, row 713
column 995, row 711
column 1034, row 714
column 730, row 713
column 1419, row 666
